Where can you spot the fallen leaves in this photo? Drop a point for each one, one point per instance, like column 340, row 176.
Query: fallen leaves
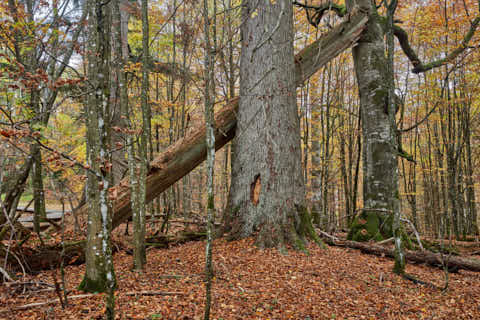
column 249, row 283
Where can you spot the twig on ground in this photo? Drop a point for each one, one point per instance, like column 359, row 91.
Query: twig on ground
column 5, row 274
column 386, row 240
column 39, row 304
column 154, row 293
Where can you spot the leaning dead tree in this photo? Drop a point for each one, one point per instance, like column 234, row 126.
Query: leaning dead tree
column 185, row 155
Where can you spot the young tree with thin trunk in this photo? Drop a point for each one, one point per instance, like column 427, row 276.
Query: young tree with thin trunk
column 99, row 273
column 43, row 58
column 210, row 143
column 139, row 254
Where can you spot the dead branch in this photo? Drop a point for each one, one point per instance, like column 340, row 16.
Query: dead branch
column 154, row 293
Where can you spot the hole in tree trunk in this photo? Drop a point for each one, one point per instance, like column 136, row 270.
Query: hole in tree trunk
column 255, row 189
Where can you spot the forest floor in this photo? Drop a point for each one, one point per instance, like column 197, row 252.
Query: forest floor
column 249, row 283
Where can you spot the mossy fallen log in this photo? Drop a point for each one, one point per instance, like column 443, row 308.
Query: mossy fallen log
column 437, row 260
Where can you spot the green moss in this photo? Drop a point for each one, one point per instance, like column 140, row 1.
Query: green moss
column 402, row 153
column 211, row 204
column 305, row 227
column 437, row 248
column 368, row 226
column 316, row 217
column 398, row 268
column 407, row 242
column 93, row 286
column 381, row 95
column 96, row 286
column 307, row 222
column 298, row 240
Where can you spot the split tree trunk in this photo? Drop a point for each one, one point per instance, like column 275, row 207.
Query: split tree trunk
column 187, row 153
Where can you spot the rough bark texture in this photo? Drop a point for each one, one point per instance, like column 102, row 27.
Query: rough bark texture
column 267, row 182
column 187, row 153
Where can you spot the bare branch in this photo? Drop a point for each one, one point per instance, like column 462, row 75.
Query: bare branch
column 418, row 65
column 320, row 10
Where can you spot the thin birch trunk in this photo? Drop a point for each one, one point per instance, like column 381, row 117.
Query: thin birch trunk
column 210, row 142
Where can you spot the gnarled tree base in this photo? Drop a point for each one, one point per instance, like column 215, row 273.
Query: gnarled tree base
column 294, row 232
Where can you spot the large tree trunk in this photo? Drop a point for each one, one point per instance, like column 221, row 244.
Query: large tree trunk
column 267, row 182
column 187, row 153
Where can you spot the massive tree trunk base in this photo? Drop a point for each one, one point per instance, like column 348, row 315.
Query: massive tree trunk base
column 295, row 232
column 436, row 260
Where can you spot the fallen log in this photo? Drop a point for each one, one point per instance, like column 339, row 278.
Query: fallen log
column 185, row 155
column 437, row 260
column 49, row 257
column 165, row 241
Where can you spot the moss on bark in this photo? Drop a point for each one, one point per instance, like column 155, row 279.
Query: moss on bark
column 370, row 225
column 97, row 285
column 93, row 286
column 306, row 227
column 376, row 226
column 298, row 230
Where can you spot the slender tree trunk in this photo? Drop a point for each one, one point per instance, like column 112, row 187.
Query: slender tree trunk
column 317, row 174
column 210, row 50
column 471, row 198
column 139, row 254
column 99, row 273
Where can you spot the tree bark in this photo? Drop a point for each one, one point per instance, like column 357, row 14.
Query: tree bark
column 99, row 273
column 380, row 167
column 267, row 182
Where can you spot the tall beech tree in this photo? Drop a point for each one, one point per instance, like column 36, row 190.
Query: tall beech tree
column 379, row 217
column 187, row 153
